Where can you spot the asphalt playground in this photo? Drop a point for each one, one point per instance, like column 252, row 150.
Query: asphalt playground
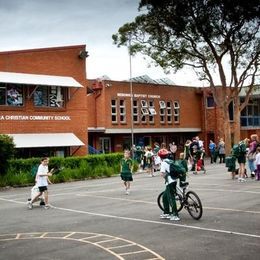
column 95, row 219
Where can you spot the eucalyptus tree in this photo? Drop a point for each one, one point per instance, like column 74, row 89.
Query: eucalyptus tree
column 219, row 39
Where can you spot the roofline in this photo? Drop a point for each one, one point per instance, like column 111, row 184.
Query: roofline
column 144, row 83
column 43, row 49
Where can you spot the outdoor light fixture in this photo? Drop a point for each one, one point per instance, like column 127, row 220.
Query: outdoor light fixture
column 83, row 54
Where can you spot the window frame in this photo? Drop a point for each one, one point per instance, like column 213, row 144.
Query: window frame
column 14, row 99
column 50, row 99
column 122, row 111
column 114, row 113
column 176, row 111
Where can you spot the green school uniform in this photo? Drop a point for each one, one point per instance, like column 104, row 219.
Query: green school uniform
column 126, row 165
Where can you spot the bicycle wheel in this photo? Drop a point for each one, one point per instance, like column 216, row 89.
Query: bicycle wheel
column 178, row 199
column 193, row 205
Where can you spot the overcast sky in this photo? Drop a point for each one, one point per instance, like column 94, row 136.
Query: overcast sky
column 26, row 24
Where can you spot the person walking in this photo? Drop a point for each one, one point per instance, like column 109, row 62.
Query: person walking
column 126, row 169
column 42, row 181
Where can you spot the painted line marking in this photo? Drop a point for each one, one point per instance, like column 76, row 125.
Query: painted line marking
column 108, row 240
column 51, row 235
column 115, row 247
column 154, row 203
column 131, row 253
column 158, row 222
column 147, row 202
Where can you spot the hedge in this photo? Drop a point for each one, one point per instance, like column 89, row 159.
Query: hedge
column 19, row 172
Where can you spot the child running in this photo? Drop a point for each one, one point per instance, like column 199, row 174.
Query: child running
column 126, row 171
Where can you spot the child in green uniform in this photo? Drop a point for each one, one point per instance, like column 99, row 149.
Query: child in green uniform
column 126, row 170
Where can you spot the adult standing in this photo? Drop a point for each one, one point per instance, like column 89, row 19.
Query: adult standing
column 173, row 150
column 212, row 149
column 221, row 150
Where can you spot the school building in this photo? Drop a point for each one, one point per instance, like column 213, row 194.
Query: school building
column 50, row 108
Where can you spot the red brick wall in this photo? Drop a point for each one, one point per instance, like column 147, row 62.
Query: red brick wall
column 189, row 100
column 61, row 61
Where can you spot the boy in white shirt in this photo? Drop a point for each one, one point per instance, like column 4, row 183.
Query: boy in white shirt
column 42, row 181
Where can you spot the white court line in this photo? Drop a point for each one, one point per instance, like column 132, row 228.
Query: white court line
column 154, row 203
column 148, row 221
column 90, row 194
column 158, row 222
column 233, row 191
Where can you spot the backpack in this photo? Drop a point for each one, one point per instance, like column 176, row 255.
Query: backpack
column 34, row 170
column 176, row 169
column 239, row 149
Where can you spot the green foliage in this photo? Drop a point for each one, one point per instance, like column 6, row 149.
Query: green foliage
column 199, row 34
column 66, row 169
column 6, row 152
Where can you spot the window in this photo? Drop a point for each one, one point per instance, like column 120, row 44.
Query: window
column 249, row 116
column 176, row 108
column 135, row 111
column 169, row 112
column 162, row 111
column 162, row 104
column 45, row 96
column 11, row 95
column 122, row 110
column 114, row 111
column 144, row 103
column 144, row 111
column 210, row 102
column 152, row 111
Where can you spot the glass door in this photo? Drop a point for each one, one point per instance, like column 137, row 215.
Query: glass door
column 105, row 144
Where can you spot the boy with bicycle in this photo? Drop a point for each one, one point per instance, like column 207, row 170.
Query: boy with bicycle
column 170, row 189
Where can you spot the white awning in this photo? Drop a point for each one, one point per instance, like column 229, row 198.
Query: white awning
column 37, row 79
column 45, row 140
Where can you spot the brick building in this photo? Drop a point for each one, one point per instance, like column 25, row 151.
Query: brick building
column 42, row 100
column 161, row 113
column 50, row 108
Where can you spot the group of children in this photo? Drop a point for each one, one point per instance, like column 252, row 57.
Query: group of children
column 246, row 151
column 170, row 209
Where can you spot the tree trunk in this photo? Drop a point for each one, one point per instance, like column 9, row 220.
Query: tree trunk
column 227, row 131
column 236, row 121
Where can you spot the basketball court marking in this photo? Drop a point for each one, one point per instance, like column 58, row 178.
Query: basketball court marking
column 115, row 246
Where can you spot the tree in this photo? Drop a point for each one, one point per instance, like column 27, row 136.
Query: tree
column 214, row 37
column 7, row 150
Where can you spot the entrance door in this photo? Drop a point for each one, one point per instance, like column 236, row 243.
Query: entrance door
column 105, row 144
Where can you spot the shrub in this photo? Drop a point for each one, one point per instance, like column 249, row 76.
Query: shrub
column 67, row 169
column 6, row 152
